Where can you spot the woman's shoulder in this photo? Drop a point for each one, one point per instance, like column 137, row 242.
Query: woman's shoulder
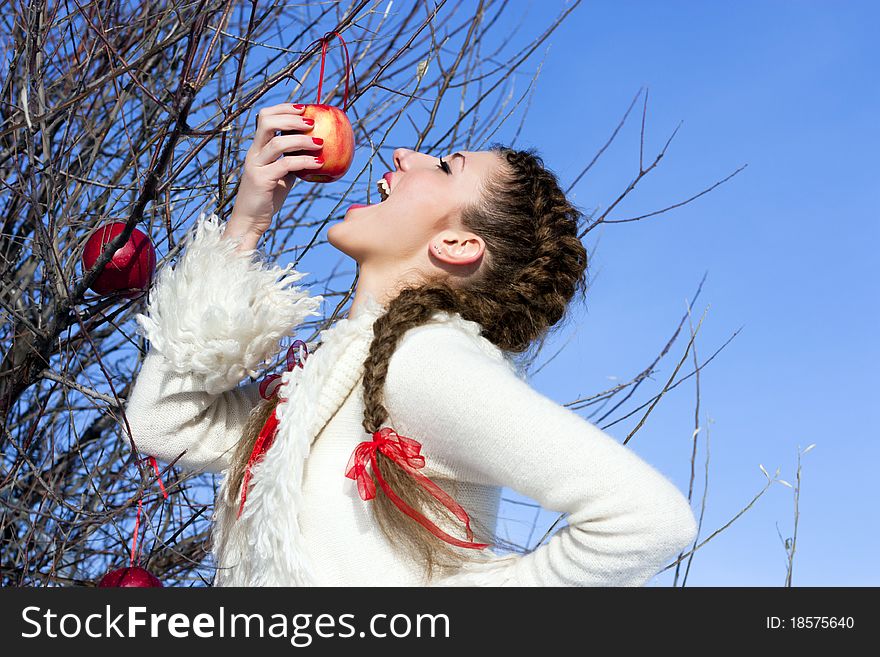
column 448, row 347
column 448, row 332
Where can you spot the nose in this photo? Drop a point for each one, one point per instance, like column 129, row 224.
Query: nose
column 401, row 155
column 405, row 159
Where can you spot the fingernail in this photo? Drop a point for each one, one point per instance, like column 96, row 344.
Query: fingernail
column 298, row 107
column 309, row 121
column 318, row 140
column 319, row 160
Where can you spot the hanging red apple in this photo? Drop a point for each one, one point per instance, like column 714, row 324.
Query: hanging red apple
column 130, row 576
column 131, row 269
column 330, row 124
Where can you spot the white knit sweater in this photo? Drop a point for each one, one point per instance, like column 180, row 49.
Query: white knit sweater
column 219, row 315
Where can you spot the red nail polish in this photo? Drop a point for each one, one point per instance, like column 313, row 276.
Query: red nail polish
column 309, row 121
column 298, row 107
column 318, row 140
column 319, row 160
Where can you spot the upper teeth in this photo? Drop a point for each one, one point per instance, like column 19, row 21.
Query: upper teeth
column 384, row 188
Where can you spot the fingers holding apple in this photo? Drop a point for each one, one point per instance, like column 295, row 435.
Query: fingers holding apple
column 277, row 145
column 266, row 179
column 286, row 168
column 331, row 125
column 317, row 142
column 287, row 122
column 269, row 120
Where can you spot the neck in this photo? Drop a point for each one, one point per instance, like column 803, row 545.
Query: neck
column 366, row 301
column 375, row 290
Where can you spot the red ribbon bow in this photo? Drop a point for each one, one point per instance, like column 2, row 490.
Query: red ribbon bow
column 267, row 433
column 405, row 452
column 294, row 358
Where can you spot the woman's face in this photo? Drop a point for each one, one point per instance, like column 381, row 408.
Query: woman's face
column 419, row 224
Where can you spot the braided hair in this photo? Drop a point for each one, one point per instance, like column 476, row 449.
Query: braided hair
column 533, row 265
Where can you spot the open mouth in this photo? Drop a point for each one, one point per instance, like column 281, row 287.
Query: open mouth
column 384, row 189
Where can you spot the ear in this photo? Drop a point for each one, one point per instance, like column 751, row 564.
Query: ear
column 456, row 247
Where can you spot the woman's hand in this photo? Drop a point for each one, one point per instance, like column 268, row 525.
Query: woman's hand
column 267, row 178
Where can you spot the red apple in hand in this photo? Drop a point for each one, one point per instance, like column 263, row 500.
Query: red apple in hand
column 331, row 125
column 130, row 577
column 131, row 269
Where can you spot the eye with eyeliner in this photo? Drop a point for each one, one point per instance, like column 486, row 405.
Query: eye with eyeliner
column 444, row 166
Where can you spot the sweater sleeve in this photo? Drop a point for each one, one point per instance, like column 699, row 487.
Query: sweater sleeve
column 211, row 321
column 476, row 416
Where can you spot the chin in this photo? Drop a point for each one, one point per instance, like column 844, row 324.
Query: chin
column 347, row 243
column 360, row 232
column 335, row 238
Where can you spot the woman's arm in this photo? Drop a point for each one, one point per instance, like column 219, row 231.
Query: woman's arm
column 211, row 321
column 171, row 415
column 474, row 414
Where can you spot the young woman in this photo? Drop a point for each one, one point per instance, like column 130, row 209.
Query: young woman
column 397, row 430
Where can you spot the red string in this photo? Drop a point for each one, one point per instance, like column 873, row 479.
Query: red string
column 405, row 452
column 137, row 520
column 137, row 523
column 264, row 441
column 158, row 476
column 261, row 446
column 324, row 39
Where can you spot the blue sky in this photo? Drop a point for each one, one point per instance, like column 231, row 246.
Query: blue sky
column 789, row 89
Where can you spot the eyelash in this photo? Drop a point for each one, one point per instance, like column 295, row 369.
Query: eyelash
column 444, row 167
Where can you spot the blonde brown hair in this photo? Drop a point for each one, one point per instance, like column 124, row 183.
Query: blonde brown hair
column 534, row 264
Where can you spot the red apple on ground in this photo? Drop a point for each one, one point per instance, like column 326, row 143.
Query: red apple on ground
column 131, row 269
column 331, row 125
column 130, row 577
